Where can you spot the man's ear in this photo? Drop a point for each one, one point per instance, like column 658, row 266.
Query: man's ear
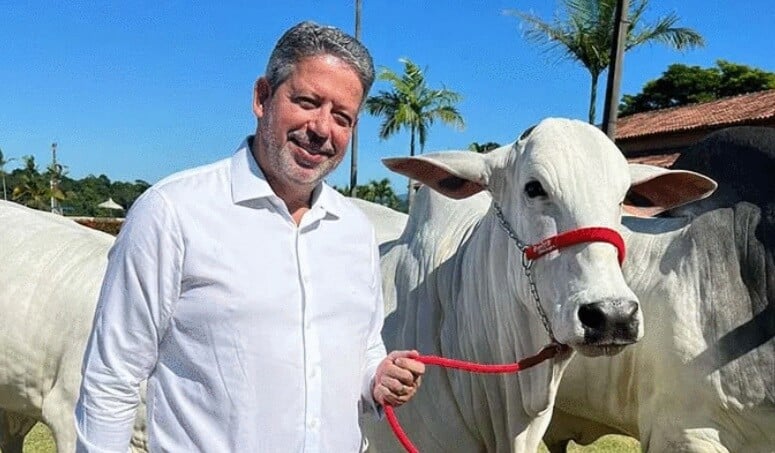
column 261, row 93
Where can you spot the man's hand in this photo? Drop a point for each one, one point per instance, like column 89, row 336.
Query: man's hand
column 397, row 379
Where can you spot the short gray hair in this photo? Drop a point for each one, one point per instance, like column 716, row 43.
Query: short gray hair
column 308, row 39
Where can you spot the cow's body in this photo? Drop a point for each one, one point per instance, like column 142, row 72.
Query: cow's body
column 454, row 285
column 50, row 274
column 703, row 378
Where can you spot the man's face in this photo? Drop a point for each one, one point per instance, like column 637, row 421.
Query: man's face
column 306, row 123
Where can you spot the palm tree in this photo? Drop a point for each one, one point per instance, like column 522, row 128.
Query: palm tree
column 34, row 190
column 412, row 105
column 3, row 163
column 384, row 195
column 483, row 147
column 586, row 34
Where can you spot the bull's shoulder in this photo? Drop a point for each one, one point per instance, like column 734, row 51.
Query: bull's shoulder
column 739, row 300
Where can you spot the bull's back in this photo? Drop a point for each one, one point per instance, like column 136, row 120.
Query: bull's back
column 50, row 275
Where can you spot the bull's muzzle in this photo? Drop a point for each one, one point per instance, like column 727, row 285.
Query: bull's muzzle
column 610, row 322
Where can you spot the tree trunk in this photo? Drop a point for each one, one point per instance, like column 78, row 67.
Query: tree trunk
column 354, row 138
column 593, row 98
column 410, row 193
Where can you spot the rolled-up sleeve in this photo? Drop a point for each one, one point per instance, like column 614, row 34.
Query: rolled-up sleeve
column 139, row 291
column 375, row 351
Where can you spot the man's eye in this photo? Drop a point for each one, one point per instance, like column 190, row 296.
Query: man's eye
column 306, row 103
column 343, row 120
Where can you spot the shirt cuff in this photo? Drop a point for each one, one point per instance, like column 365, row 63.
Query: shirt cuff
column 369, row 405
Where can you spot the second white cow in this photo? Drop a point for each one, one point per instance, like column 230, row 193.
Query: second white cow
column 456, row 285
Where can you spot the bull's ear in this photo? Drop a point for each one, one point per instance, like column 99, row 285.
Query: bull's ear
column 655, row 189
column 456, row 174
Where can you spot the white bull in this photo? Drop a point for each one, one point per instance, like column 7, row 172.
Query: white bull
column 51, row 269
column 457, row 287
column 703, row 377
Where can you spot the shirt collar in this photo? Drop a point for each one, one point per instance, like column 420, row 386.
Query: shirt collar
column 248, row 183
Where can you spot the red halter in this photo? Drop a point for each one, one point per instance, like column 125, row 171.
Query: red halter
column 573, row 237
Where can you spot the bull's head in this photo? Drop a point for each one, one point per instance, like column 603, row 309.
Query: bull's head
column 560, row 176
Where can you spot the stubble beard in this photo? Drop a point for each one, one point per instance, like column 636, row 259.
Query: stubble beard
column 285, row 170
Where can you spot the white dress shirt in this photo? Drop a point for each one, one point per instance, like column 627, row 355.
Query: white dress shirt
column 255, row 334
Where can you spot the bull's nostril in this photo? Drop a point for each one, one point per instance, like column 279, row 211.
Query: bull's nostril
column 630, row 309
column 592, row 316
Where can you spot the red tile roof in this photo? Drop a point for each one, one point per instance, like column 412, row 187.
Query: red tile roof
column 660, row 160
column 722, row 112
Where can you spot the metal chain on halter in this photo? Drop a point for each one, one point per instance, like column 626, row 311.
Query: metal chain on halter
column 527, row 265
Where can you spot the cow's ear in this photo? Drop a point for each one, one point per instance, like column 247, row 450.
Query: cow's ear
column 456, row 174
column 655, row 189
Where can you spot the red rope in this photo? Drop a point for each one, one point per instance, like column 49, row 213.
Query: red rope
column 544, row 354
column 573, row 237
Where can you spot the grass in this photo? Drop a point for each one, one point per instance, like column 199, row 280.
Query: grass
column 606, row 444
column 40, row 441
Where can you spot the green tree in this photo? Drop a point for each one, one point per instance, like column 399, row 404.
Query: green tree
column 3, row 163
column 584, row 33
column 34, row 190
column 483, row 147
column 681, row 85
column 380, row 192
column 411, row 104
column 77, row 197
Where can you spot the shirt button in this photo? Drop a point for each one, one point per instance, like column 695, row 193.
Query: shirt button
column 313, row 424
column 313, row 372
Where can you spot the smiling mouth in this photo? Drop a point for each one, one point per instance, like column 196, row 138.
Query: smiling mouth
column 306, row 158
column 312, row 150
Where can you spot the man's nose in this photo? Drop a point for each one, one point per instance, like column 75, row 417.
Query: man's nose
column 320, row 125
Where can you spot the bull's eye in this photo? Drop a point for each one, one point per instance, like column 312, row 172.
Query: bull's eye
column 534, row 189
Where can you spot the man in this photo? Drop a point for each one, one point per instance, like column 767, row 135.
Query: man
column 247, row 292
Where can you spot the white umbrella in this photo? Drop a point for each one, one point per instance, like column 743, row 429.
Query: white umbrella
column 110, row 204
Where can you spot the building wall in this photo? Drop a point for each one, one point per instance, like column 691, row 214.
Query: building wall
column 638, row 148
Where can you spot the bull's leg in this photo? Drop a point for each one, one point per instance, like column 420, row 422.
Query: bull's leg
column 13, row 429
column 674, row 439
column 59, row 414
column 139, row 443
column 558, row 446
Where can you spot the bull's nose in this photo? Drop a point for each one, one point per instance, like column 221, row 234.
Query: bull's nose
column 610, row 322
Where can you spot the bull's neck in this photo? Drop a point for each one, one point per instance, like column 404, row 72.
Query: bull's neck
column 491, row 295
column 490, row 322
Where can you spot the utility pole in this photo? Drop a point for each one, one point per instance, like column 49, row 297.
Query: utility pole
column 354, row 139
column 618, row 41
column 54, row 181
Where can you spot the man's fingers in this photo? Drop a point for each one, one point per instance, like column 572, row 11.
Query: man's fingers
column 415, row 367
column 393, row 385
column 399, row 377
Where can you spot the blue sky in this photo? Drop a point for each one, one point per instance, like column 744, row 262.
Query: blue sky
column 139, row 90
